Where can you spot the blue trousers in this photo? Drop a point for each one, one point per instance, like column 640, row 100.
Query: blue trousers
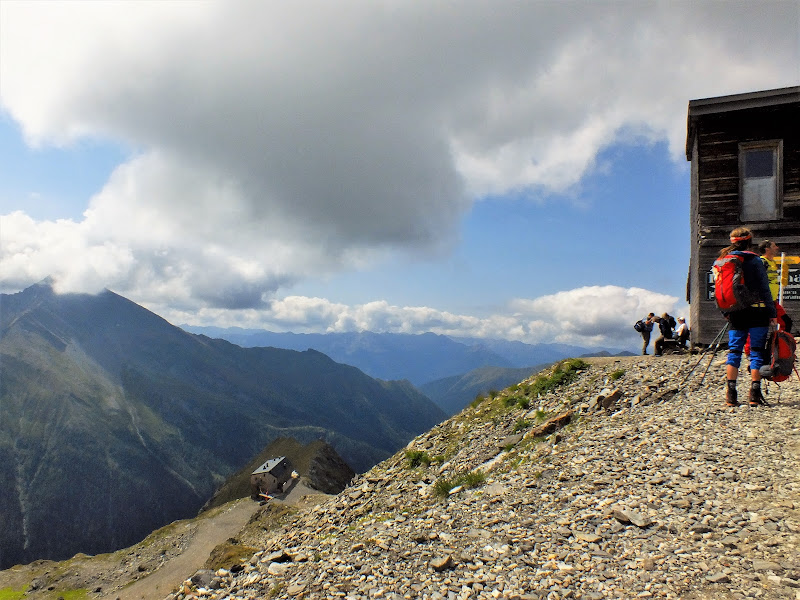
column 737, row 338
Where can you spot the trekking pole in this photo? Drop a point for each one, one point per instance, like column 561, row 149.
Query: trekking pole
column 703, row 353
column 711, row 360
column 716, row 340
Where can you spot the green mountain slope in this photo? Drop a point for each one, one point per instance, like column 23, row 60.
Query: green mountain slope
column 452, row 394
column 113, row 422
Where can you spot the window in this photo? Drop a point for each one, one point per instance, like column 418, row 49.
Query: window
column 761, row 180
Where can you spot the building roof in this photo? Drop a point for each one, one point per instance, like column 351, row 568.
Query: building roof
column 269, row 465
column 719, row 104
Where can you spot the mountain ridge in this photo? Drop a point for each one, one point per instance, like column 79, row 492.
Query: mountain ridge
column 419, row 358
column 107, row 408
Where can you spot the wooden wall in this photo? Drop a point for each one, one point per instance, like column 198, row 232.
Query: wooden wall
column 715, row 197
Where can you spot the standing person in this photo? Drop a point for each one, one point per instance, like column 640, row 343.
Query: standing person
column 665, row 323
column 769, row 251
column 682, row 332
column 648, row 327
column 753, row 320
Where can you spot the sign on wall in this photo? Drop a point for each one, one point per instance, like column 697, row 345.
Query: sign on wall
column 791, row 286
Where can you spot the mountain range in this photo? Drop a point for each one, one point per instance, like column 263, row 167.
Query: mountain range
column 419, row 358
column 114, row 422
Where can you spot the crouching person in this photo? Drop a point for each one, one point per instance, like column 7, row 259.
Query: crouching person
column 665, row 325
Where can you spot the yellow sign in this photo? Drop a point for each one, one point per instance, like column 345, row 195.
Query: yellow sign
column 786, row 260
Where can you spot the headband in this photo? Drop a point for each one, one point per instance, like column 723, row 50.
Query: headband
column 734, row 240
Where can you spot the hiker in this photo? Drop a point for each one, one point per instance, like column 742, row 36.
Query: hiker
column 769, row 251
column 682, row 332
column 753, row 320
column 665, row 324
column 647, row 327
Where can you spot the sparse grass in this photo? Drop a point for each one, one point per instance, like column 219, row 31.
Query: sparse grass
column 478, row 400
column 616, row 374
column 512, row 400
column 515, row 463
column 416, row 458
column 562, row 373
column 469, row 480
column 12, row 594
column 540, row 415
column 520, row 425
column 227, row 554
column 80, row 594
column 473, row 479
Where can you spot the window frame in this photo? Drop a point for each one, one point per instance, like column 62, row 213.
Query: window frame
column 776, row 146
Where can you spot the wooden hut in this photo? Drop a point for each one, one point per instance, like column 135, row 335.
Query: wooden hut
column 270, row 477
column 745, row 171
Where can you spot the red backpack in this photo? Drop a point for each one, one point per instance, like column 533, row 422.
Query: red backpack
column 781, row 364
column 730, row 291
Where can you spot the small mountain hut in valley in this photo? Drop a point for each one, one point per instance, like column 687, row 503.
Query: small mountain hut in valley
column 270, row 477
column 745, row 171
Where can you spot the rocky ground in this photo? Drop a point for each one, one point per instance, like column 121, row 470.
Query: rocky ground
column 630, row 481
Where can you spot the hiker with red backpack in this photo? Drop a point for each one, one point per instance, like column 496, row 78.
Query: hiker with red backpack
column 741, row 289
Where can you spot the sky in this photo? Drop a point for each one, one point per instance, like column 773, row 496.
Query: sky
column 506, row 169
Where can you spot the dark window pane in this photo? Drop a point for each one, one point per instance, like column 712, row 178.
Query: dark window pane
column 758, row 163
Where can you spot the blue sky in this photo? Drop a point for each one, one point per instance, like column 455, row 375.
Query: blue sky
column 512, row 171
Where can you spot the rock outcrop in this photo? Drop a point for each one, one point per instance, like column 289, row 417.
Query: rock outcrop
column 327, row 472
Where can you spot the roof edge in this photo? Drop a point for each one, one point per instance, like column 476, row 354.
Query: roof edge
column 773, row 97
column 720, row 104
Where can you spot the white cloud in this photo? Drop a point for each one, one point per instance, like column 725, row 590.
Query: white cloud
column 589, row 316
column 273, row 142
column 597, row 313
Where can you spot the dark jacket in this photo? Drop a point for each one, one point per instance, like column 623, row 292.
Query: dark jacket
column 755, row 278
column 665, row 328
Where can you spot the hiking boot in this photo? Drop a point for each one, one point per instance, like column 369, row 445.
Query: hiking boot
column 731, row 397
column 756, row 399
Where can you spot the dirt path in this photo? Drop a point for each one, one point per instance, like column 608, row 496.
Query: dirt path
column 210, row 533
